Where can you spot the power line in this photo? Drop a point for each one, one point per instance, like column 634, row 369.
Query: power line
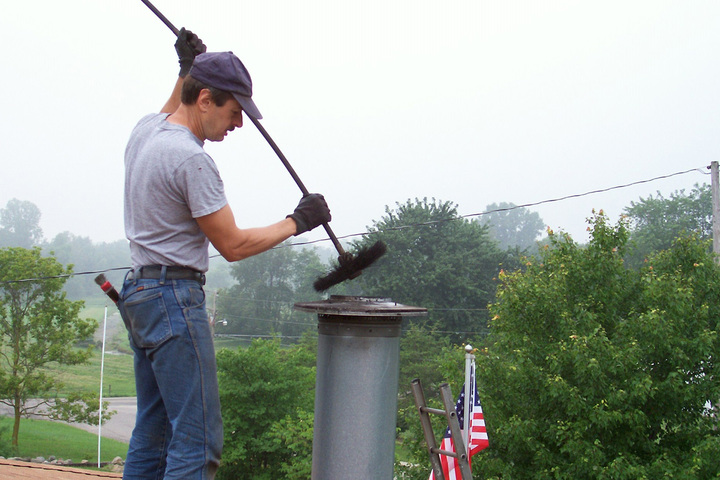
column 401, row 227
column 65, row 275
column 255, row 319
column 542, row 202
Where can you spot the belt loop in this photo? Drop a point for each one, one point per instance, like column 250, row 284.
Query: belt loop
column 163, row 274
column 130, row 274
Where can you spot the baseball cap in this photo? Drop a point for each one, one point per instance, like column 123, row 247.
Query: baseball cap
column 225, row 71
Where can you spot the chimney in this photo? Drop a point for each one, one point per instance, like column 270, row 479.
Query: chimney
column 356, row 386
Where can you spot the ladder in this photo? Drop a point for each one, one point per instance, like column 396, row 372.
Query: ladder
column 455, row 433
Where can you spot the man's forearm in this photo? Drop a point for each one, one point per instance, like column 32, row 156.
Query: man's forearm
column 236, row 244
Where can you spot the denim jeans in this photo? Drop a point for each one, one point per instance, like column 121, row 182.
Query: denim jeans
column 178, row 428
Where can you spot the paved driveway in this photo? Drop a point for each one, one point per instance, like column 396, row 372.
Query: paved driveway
column 120, row 426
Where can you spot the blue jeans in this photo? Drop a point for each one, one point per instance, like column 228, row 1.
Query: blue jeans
column 178, row 429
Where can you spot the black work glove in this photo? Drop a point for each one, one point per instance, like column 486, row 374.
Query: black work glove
column 187, row 46
column 310, row 212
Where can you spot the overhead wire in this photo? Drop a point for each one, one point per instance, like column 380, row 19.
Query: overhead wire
column 515, row 207
column 701, row 170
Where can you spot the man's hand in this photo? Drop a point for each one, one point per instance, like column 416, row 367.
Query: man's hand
column 188, row 46
column 310, row 212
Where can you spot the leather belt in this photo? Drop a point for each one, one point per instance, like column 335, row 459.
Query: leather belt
column 154, row 272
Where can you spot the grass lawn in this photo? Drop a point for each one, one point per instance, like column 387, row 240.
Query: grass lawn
column 94, row 310
column 45, row 438
column 118, row 377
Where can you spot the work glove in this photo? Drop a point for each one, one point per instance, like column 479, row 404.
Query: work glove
column 310, row 212
column 187, row 46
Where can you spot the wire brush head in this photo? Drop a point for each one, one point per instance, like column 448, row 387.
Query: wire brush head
column 351, row 267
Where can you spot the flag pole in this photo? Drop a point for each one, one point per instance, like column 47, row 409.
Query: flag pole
column 102, row 371
column 469, row 357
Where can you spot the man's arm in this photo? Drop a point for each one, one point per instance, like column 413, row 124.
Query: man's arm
column 235, row 244
column 174, row 101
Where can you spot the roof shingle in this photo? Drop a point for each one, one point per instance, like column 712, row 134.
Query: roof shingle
column 16, row 470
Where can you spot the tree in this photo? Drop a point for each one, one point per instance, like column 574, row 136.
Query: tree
column 267, row 287
column 512, row 226
column 657, row 221
column 437, row 260
column 594, row 370
column 85, row 255
column 20, row 224
column 294, row 434
column 430, row 357
column 262, row 388
column 39, row 326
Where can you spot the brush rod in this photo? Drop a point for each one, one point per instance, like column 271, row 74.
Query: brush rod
column 295, row 177
column 161, row 17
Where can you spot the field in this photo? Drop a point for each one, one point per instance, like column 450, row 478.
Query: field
column 44, row 438
column 118, row 377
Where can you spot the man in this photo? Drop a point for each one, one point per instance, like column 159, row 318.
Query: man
column 174, row 206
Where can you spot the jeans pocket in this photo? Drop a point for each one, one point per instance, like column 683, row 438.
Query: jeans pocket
column 147, row 315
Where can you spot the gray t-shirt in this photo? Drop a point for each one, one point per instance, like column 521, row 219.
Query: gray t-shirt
column 169, row 181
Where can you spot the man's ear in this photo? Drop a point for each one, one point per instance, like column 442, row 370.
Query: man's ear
column 205, row 100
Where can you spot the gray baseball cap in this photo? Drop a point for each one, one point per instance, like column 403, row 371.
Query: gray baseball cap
column 225, row 71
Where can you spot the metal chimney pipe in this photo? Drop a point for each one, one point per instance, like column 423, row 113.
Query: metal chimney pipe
column 356, row 386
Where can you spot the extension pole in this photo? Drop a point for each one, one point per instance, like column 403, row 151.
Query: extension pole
column 102, row 372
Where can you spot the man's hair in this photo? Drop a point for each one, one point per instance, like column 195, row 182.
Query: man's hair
column 191, row 91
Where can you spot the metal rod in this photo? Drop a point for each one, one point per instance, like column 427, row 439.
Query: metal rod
column 102, row 372
column 715, row 185
column 436, row 411
column 295, row 177
column 161, row 17
column 469, row 359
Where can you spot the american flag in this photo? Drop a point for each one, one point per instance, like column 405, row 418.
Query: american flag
column 478, row 438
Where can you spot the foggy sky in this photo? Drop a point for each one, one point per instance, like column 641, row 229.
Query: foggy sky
column 373, row 102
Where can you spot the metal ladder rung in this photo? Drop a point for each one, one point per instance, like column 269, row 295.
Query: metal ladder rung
column 444, row 452
column 436, row 411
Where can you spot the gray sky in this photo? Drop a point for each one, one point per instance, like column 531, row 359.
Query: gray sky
column 373, row 102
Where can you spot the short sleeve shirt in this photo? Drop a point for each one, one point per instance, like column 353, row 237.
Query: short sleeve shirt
column 169, row 182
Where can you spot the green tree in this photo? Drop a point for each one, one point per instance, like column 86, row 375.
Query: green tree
column 262, row 388
column 437, row 260
column 423, row 354
column 595, row 370
column 294, row 434
column 513, row 226
column 39, row 326
column 20, row 224
column 85, row 255
column 431, row 358
column 268, row 285
column 656, row 221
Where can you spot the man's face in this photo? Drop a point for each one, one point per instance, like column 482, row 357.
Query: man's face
column 221, row 120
